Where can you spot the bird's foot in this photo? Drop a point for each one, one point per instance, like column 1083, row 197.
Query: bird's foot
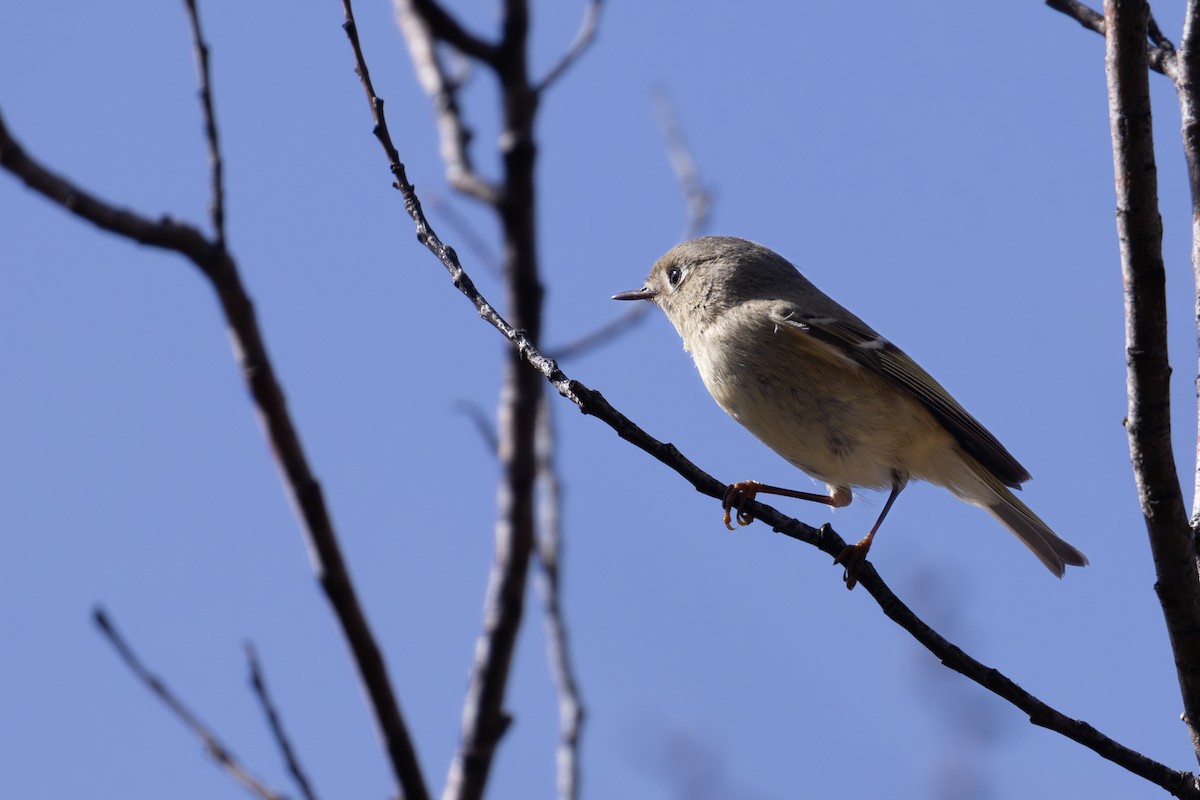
column 736, row 497
column 852, row 558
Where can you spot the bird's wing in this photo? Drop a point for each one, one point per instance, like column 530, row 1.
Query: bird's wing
column 851, row 340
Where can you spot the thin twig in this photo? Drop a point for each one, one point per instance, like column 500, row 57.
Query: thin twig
column 464, row 231
column 604, row 334
column 549, row 552
column 483, row 425
column 699, row 211
column 259, row 685
column 1181, row 784
column 697, row 195
column 216, row 205
column 256, row 368
column 1161, row 59
column 1148, row 368
column 212, row 745
column 453, row 133
column 583, row 40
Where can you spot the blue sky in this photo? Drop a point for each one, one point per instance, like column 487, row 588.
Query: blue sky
column 945, row 174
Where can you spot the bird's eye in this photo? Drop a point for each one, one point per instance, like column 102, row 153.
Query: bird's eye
column 674, row 276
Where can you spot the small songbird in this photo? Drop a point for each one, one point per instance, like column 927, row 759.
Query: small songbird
column 822, row 389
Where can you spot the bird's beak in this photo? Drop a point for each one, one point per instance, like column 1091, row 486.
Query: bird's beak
column 636, row 294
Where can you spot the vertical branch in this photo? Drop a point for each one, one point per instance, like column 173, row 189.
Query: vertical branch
column 1139, row 229
column 549, row 547
column 216, row 204
column 484, row 718
column 1187, row 86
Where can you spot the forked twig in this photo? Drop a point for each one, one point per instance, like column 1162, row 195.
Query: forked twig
column 212, row 745
column 215, row 263
column 1161, row 58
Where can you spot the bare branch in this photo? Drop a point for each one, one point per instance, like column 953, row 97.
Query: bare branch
column 1161, row 58
column 1189, row 105
column 697, row 195
column 591, row 402
column 216, row 205
column 464, row 231
column 256, row 368
column 212, row 745
column 1087, row 17
column 604, row 334
column 453, row 133
column 484, row 718
column 1148, row 369
column 583, row 40
column 1156, row 35
column 699, row 207
column 281, row 740
column 483, row 425
column 446, row 28
column 549, row 551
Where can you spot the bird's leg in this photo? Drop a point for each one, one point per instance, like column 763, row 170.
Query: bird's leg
column 742, row 492
column 854, row 555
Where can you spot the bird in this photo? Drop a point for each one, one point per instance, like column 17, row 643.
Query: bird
column 831, row 396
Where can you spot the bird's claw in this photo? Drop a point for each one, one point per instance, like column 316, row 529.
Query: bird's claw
column 736, row 496
column 852, row 558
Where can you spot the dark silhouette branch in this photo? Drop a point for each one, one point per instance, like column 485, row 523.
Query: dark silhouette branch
column 250, row 349
column 446, row 28
column 212, row 745
column 259, row 684
column 216, row 205
column 1179, row 783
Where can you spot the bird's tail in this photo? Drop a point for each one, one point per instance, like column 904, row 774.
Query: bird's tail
column 1037, row 536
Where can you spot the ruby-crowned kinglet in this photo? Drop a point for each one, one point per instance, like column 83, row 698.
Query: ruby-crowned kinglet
column 822, row 389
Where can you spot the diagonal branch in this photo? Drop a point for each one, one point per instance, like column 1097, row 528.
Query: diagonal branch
column 446, row 28
column 583, row 40
column 1148, row 369
column 212, row 745
column 1181, row 784
column 257, row 371
column 216, row 205
column 259, row 684
column 1161, row 57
